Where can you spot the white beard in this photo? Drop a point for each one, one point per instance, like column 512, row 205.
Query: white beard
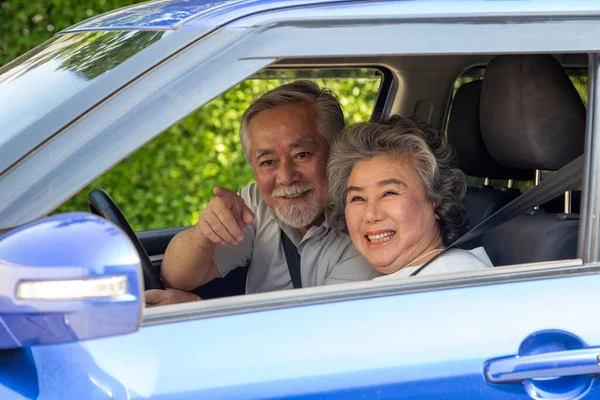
column 298, row 214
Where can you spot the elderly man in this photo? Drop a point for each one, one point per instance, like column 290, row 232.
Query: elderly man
column 285, row 135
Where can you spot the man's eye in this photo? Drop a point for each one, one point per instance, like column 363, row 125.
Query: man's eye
column 303, row 154
column 266, row 163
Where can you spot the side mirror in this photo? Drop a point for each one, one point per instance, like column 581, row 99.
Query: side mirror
column 67, row 278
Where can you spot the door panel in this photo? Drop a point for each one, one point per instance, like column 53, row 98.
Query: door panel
column 419, row 346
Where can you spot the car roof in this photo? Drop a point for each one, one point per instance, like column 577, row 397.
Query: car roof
column 171, row 14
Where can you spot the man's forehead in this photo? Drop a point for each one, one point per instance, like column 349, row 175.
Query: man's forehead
column 295, row 116
column 283, row 127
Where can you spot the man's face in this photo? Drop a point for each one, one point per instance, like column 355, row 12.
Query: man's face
column 289, row 159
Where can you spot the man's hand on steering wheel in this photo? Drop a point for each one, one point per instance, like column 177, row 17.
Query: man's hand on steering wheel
column 158, row 297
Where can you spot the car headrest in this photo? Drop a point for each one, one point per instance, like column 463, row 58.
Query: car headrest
column 464, row 135
column 531, row 115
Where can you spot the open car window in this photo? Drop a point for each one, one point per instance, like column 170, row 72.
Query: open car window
column 166, row 183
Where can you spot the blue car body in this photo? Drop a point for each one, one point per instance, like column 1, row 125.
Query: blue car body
column 463, row 337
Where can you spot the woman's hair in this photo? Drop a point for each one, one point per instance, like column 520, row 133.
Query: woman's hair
column 330, row 117
column 433, row 160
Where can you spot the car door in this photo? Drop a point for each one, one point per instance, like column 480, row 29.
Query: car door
column 425, row 339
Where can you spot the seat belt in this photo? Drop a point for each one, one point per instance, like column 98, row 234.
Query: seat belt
column 566, row 178
column 293, row 260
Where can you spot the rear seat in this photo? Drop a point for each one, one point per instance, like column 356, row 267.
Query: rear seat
column 531, row 118
column 464, row 135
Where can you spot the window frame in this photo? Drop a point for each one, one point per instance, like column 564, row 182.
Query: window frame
column 316, row 295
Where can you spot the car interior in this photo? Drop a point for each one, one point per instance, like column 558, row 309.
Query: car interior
column 512, row 120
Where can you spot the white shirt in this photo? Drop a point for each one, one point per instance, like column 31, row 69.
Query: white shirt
column 326, row 257
column 453, row 260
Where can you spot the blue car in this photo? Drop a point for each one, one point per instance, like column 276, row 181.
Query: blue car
column 73, row 324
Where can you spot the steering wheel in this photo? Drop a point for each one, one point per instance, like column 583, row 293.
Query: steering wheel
column 102, row 204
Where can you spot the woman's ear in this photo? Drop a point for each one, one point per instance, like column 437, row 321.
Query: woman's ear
column 435, row 205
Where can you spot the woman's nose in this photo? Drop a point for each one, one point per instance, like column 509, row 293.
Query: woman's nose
column 372, row 212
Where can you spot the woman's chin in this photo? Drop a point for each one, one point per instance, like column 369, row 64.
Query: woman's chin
column 385, row 266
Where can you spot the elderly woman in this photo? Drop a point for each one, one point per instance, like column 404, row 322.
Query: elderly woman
column 393, row 189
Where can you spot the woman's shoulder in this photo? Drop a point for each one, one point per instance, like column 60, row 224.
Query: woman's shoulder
column 478, row 253
column 458, row 260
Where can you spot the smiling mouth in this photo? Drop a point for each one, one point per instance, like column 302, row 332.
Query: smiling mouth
column 294, row 195
column 380, row 237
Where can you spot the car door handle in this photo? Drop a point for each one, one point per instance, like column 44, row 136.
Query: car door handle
column 514, row 369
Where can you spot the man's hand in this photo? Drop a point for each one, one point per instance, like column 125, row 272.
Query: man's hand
column 222, row 220
column 157, row 297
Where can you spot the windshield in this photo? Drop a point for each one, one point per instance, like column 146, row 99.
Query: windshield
column 44, row 78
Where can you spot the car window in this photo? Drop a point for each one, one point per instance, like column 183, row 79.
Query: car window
column 579, row 77
column 167, row 182
column 74, row 61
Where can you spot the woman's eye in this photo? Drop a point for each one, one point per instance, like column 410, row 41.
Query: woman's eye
column 303, row 154
column 389, row 194
column 356, row 198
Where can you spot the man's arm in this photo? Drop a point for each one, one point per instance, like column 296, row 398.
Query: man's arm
column 188, row 261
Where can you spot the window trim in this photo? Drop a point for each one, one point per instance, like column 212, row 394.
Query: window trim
column 362, row 290
column 388, row 80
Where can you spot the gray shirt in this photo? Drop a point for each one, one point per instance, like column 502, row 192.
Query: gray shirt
column 326, row 257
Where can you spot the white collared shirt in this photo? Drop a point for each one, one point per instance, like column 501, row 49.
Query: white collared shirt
column 454, row 260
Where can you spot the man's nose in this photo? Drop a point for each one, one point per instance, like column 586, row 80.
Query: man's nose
column 287, row 173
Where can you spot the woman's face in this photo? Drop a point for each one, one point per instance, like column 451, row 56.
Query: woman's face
column 390, row 218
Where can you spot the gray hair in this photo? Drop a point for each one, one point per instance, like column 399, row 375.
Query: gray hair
column 330, row 118
column 433, row 161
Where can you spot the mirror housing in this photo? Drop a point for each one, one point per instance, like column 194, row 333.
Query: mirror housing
column 66, row 278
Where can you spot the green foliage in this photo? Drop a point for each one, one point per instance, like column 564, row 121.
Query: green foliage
column 580, row 82
column 25, row 24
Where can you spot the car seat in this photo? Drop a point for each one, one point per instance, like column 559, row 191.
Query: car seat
column 464, row 135
column 531, row 117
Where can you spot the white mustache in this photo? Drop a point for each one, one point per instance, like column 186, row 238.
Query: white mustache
column 292, row 191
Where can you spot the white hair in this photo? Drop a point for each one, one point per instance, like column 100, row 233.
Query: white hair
column 330, row 117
